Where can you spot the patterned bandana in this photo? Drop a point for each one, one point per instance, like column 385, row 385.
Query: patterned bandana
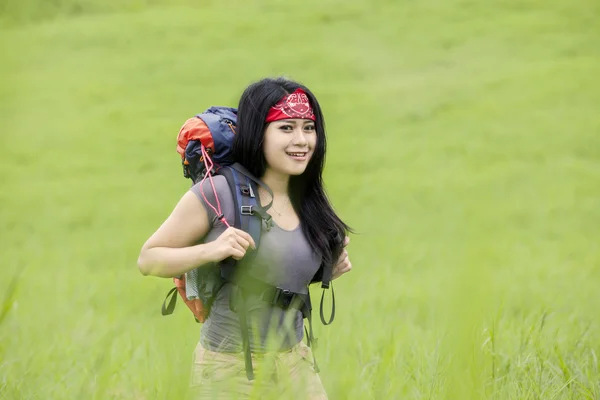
column 295, row 105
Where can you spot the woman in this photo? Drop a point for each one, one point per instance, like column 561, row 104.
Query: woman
column 280, row 138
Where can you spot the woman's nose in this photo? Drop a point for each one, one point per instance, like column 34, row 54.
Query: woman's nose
column 300, row 137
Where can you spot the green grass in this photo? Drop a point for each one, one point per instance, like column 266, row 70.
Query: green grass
column 464, row 147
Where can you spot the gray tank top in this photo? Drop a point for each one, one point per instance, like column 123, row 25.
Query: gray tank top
column 284, row 259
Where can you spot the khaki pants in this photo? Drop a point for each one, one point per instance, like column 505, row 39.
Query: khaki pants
column 283, row 375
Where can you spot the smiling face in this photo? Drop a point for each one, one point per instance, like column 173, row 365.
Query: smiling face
column 289, row 145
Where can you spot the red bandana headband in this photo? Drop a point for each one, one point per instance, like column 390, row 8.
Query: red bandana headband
column 295, row 105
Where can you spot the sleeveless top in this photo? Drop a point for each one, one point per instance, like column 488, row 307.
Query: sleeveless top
column 284, row 259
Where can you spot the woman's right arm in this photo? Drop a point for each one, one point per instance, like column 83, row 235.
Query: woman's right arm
column 171, row 250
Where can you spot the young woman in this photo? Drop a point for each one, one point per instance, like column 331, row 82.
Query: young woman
column 280, row 138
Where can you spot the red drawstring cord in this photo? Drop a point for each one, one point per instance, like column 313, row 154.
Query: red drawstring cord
column 208, row 174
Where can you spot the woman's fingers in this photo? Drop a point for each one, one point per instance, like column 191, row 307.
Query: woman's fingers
column 347, row 267
column 237, row 251
column 242, row 241
column 343, row 256
column 343, row 265
column 244, row 238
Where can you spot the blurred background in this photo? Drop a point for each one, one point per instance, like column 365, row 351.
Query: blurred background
column 464, row 149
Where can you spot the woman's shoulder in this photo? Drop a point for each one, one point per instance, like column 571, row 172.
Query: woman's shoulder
column 216, row 183
column 215, row 194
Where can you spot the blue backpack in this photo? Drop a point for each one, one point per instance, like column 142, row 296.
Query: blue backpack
column 204, row 144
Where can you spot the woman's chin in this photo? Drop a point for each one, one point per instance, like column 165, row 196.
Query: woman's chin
column 295, row 172
column 294, row 168
column 298, row 169
column 292, row 171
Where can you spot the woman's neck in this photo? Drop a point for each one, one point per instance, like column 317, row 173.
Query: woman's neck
column 278, row 183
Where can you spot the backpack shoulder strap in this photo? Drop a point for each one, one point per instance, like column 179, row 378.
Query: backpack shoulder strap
column 247, row 208
column 231, row 182
column 249, row 214
column 324, row 275
column 241, row 169
column 228, row 265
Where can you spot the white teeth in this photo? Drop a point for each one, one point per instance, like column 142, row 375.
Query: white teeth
column 297, row 154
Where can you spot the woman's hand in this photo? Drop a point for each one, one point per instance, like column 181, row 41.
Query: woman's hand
column 232, row 243
column 343, row 265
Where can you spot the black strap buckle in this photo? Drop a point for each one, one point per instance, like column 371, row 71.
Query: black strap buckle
column 283, row 297
column 268, row 221
column 247, row 210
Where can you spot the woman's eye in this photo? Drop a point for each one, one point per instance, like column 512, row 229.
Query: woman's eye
column 286, row 128
column 310, row 128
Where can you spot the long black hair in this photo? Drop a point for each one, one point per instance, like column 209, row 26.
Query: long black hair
column 324, row 230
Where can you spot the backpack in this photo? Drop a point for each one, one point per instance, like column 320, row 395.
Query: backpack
column 204, row 145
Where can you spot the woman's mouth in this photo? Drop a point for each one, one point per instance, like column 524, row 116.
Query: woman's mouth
column 298, row 156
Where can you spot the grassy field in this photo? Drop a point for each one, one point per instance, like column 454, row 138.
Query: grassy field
column 464, row 147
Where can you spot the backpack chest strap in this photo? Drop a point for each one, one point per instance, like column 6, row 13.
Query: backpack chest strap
column 285, row 299
column 258, row 290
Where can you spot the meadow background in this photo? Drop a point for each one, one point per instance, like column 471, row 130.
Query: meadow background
column 464, row 148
